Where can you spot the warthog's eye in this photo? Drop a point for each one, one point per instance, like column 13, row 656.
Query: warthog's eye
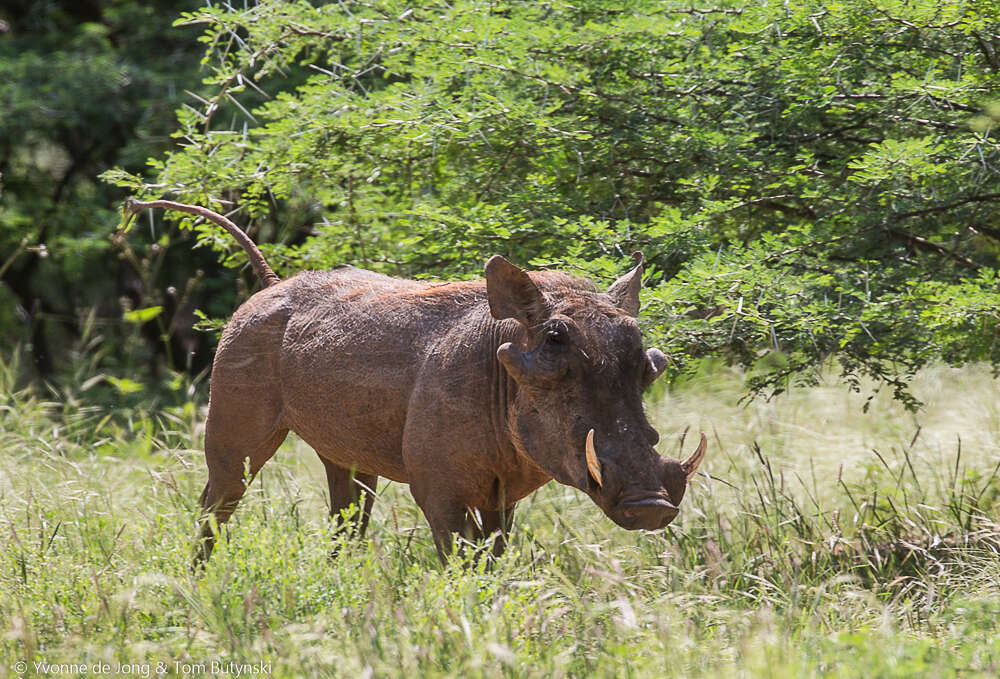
column 556, row 338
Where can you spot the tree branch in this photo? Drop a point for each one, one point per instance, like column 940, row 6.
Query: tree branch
column 944, row 208
column 928, row 246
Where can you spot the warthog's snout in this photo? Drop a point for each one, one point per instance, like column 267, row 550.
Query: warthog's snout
column 639, row 500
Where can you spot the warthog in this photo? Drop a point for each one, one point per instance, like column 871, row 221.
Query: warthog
column 475, row 393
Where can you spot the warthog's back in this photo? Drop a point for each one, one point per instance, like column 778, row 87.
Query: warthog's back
column 341, row 350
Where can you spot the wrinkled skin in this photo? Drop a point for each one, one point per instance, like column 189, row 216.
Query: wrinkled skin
column 473, row 393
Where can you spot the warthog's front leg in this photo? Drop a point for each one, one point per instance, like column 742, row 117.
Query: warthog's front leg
column 496, row 524
column 452, row 521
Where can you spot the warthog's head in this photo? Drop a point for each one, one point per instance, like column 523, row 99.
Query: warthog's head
column 580, row 369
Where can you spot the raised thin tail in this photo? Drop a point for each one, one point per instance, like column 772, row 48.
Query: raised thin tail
column 260, row 267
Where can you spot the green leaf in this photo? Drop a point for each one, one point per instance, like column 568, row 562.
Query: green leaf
column 125, row 386
column 140, row 316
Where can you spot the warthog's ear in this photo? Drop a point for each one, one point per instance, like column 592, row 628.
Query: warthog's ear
column 511, row 293
column 657, row 362
column 624, row 292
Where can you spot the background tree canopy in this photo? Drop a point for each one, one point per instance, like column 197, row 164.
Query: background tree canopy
column 808, row 181
column 86, row 86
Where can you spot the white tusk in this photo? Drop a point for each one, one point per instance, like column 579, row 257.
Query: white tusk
column 593, row 464
column 690, row 465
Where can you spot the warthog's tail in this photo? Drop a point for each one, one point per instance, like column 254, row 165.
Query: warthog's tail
column 260, row 267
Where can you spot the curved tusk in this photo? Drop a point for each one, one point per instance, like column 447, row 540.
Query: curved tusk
column 593, row 464
column 690, row 465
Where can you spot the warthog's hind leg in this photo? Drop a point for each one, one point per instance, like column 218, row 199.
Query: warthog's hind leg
column 346, row 489
column 235, row 450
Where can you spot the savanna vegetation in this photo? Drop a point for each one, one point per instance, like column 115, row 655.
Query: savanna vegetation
column 826, row 542
column 814, row 186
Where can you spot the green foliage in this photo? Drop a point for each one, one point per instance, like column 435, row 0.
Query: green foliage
column 808, row 180
column 85, row 86
column 805, row 554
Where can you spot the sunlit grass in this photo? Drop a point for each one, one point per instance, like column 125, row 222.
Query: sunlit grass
column 826, row 542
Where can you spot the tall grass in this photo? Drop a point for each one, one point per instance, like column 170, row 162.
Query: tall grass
column 822, row 541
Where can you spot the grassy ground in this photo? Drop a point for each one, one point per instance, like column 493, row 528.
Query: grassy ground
column 828, row 542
